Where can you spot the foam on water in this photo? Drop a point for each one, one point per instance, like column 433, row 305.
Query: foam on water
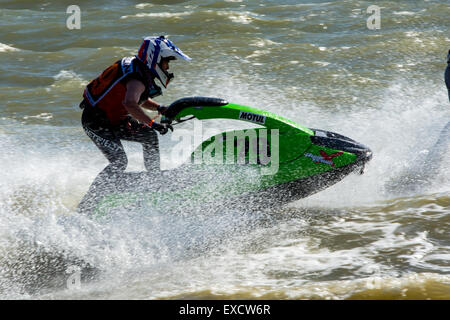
column 42, row 236
column 7, row 48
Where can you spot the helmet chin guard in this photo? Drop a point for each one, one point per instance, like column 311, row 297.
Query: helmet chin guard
column 162, row 75
column 153, row 50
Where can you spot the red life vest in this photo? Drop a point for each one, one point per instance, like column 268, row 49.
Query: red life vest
column 108, row 90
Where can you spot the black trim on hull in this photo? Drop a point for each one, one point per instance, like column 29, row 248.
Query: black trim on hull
column 285, row 193
column 302, row 188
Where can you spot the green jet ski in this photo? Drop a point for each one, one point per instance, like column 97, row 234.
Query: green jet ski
column 274, row 163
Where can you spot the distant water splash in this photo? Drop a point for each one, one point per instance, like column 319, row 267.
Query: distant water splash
column 407, row 130
column 6, row 48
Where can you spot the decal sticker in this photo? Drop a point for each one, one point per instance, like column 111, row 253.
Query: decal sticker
column 126, row 64
column 324, row 157
column 253, row 117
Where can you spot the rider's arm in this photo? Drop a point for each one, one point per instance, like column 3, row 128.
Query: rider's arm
column 131, row 101
column 150, row 104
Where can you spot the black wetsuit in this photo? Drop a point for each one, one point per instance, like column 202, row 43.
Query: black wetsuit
column 107, row 138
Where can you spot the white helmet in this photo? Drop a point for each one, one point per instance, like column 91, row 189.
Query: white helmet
column 153, row 49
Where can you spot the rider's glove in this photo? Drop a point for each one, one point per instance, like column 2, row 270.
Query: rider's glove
column 162, row 109
column 161, row 128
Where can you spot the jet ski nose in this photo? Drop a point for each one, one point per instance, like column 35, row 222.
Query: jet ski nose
column 365, row 155
column 362, row 152
column 343, row 143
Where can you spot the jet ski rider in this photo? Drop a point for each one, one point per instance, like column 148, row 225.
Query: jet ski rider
column 113, row 102
column 447, row 74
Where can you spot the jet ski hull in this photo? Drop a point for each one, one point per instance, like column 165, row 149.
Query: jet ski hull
column 291, row 163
